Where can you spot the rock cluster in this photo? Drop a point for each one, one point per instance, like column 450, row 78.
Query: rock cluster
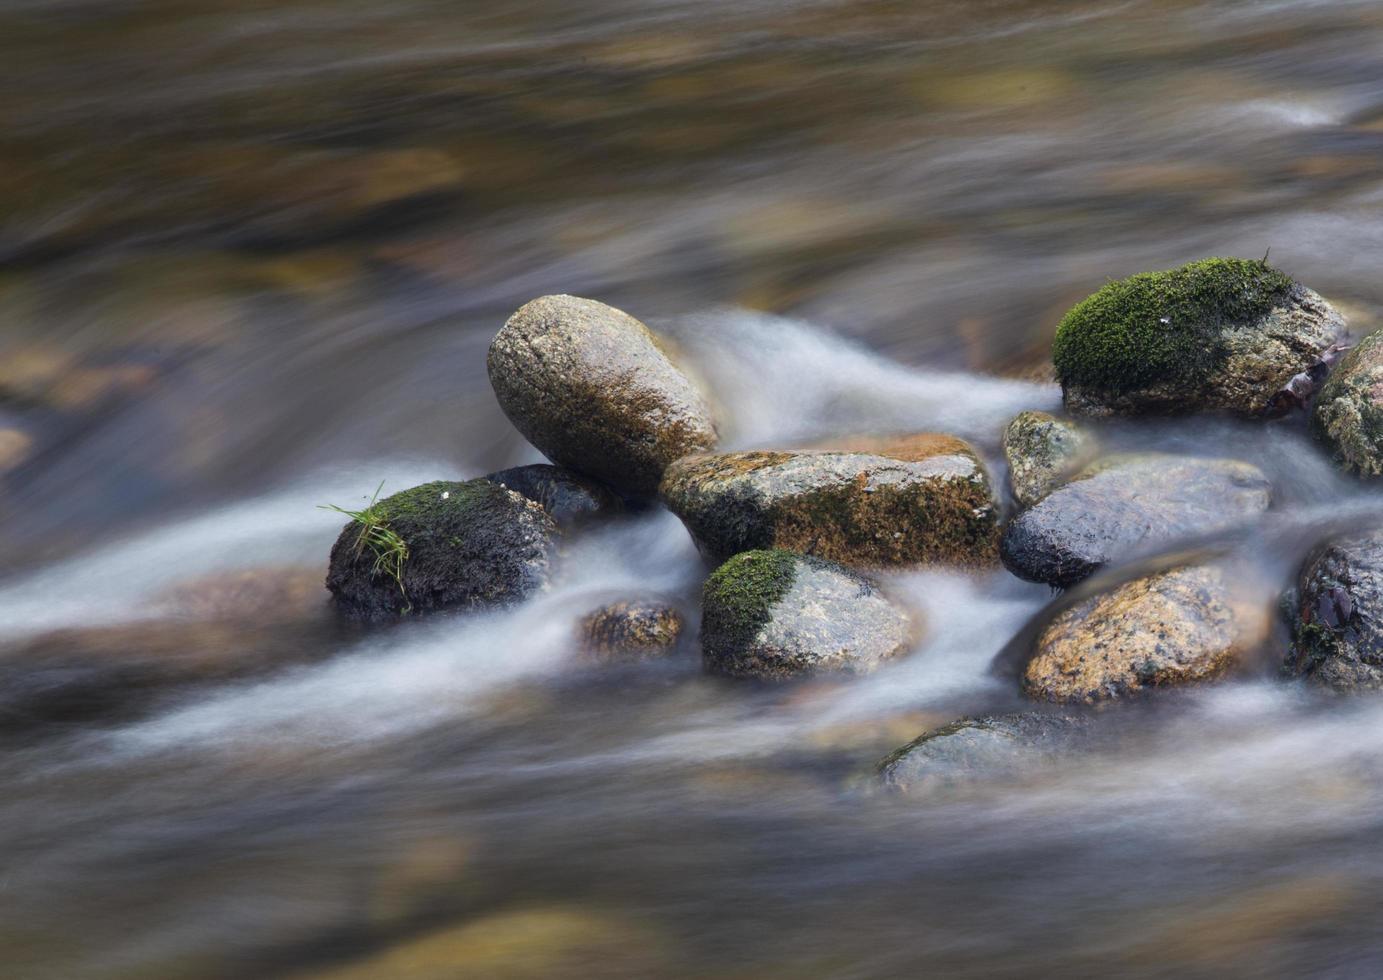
column 796, row 532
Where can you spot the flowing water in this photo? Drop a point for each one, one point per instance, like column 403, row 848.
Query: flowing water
column 253, row 255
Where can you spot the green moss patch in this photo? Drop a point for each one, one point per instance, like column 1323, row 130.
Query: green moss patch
column 1160, row 327
column 739, row 596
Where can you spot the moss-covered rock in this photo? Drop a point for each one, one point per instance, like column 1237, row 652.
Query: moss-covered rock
column 1040, row 450
column 593, row 390
column 776, row 614
column 1171, row 628
column 631, row 630
column 1348, row 415
column 922, row 499
column 1215, row 335
column 1337, row 615
column 1127, row 504
column 569, row 498
column 467, row 545
column 979, row 749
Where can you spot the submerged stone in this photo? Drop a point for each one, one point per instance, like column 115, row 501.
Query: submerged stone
column 632, row 629
column 569, row 498
column 1040, row 450
column 911, row 501
column 1171, row 628
column 978, row 749
column 1216, row 335
column 1128, row 504
column 592, row 389
column 441, row 545
column 777, row 615
column 1337, row 615
column 1348, row 415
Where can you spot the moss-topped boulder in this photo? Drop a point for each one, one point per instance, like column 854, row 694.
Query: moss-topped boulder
column 593, row 390
column 1041, row 450
column 1337, row 615
column 1127, row 504
column 1216, row 335
column 569, row 498
column 1172, row 628
column 872, row 503
column 438, row 546
column 776, row 614
column 973, row 750
column 1348, row 415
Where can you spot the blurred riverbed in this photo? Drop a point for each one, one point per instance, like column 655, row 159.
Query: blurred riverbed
column 251, row 256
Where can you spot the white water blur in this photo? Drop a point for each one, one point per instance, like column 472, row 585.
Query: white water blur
column 781, row 380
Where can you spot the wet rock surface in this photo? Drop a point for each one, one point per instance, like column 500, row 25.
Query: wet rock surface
column 470, row 544
column 592, row 389
column 911, row 501
column 1125, row 504
column 977, row 749
column 1040, row 450
column 569, row 498
column 1337, row 616
column 1348, row 414
column 1171, row 628
column 632, row 629
column 777, row 614
column 1216, row 335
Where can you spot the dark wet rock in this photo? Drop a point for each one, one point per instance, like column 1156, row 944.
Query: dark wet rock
column 1348, row 417
column 593, row 390
column 1127, row 504
column 1041, row 450
column 1172, row 628
column 632, row 629
column 977, row 749
column 777, row 614
column 469, row 544
column 569, row 498
column 1216, row 335
column 1337, row 615
column 911, row 501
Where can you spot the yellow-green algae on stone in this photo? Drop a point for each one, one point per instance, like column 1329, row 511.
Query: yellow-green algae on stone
column 1220, row 334
column 1348, row 414
column 1041, row 450
column 869, row 502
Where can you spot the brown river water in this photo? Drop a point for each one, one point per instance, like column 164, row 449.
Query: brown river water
column 251, row 255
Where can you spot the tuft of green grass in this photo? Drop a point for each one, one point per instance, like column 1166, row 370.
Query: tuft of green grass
column 389, row 550
column 1162, row 326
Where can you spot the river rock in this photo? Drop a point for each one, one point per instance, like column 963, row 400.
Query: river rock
column 1126, row 504
column 1217, row 335
column 1337, row 616
column 975, row 749
column 593, row 390
column 873, row 503
column 467, row 544
column 1040, row 450
column 1171, row 628
column 632, row 629
column 569, row 498
column 1348, row 415
column 777, row 614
